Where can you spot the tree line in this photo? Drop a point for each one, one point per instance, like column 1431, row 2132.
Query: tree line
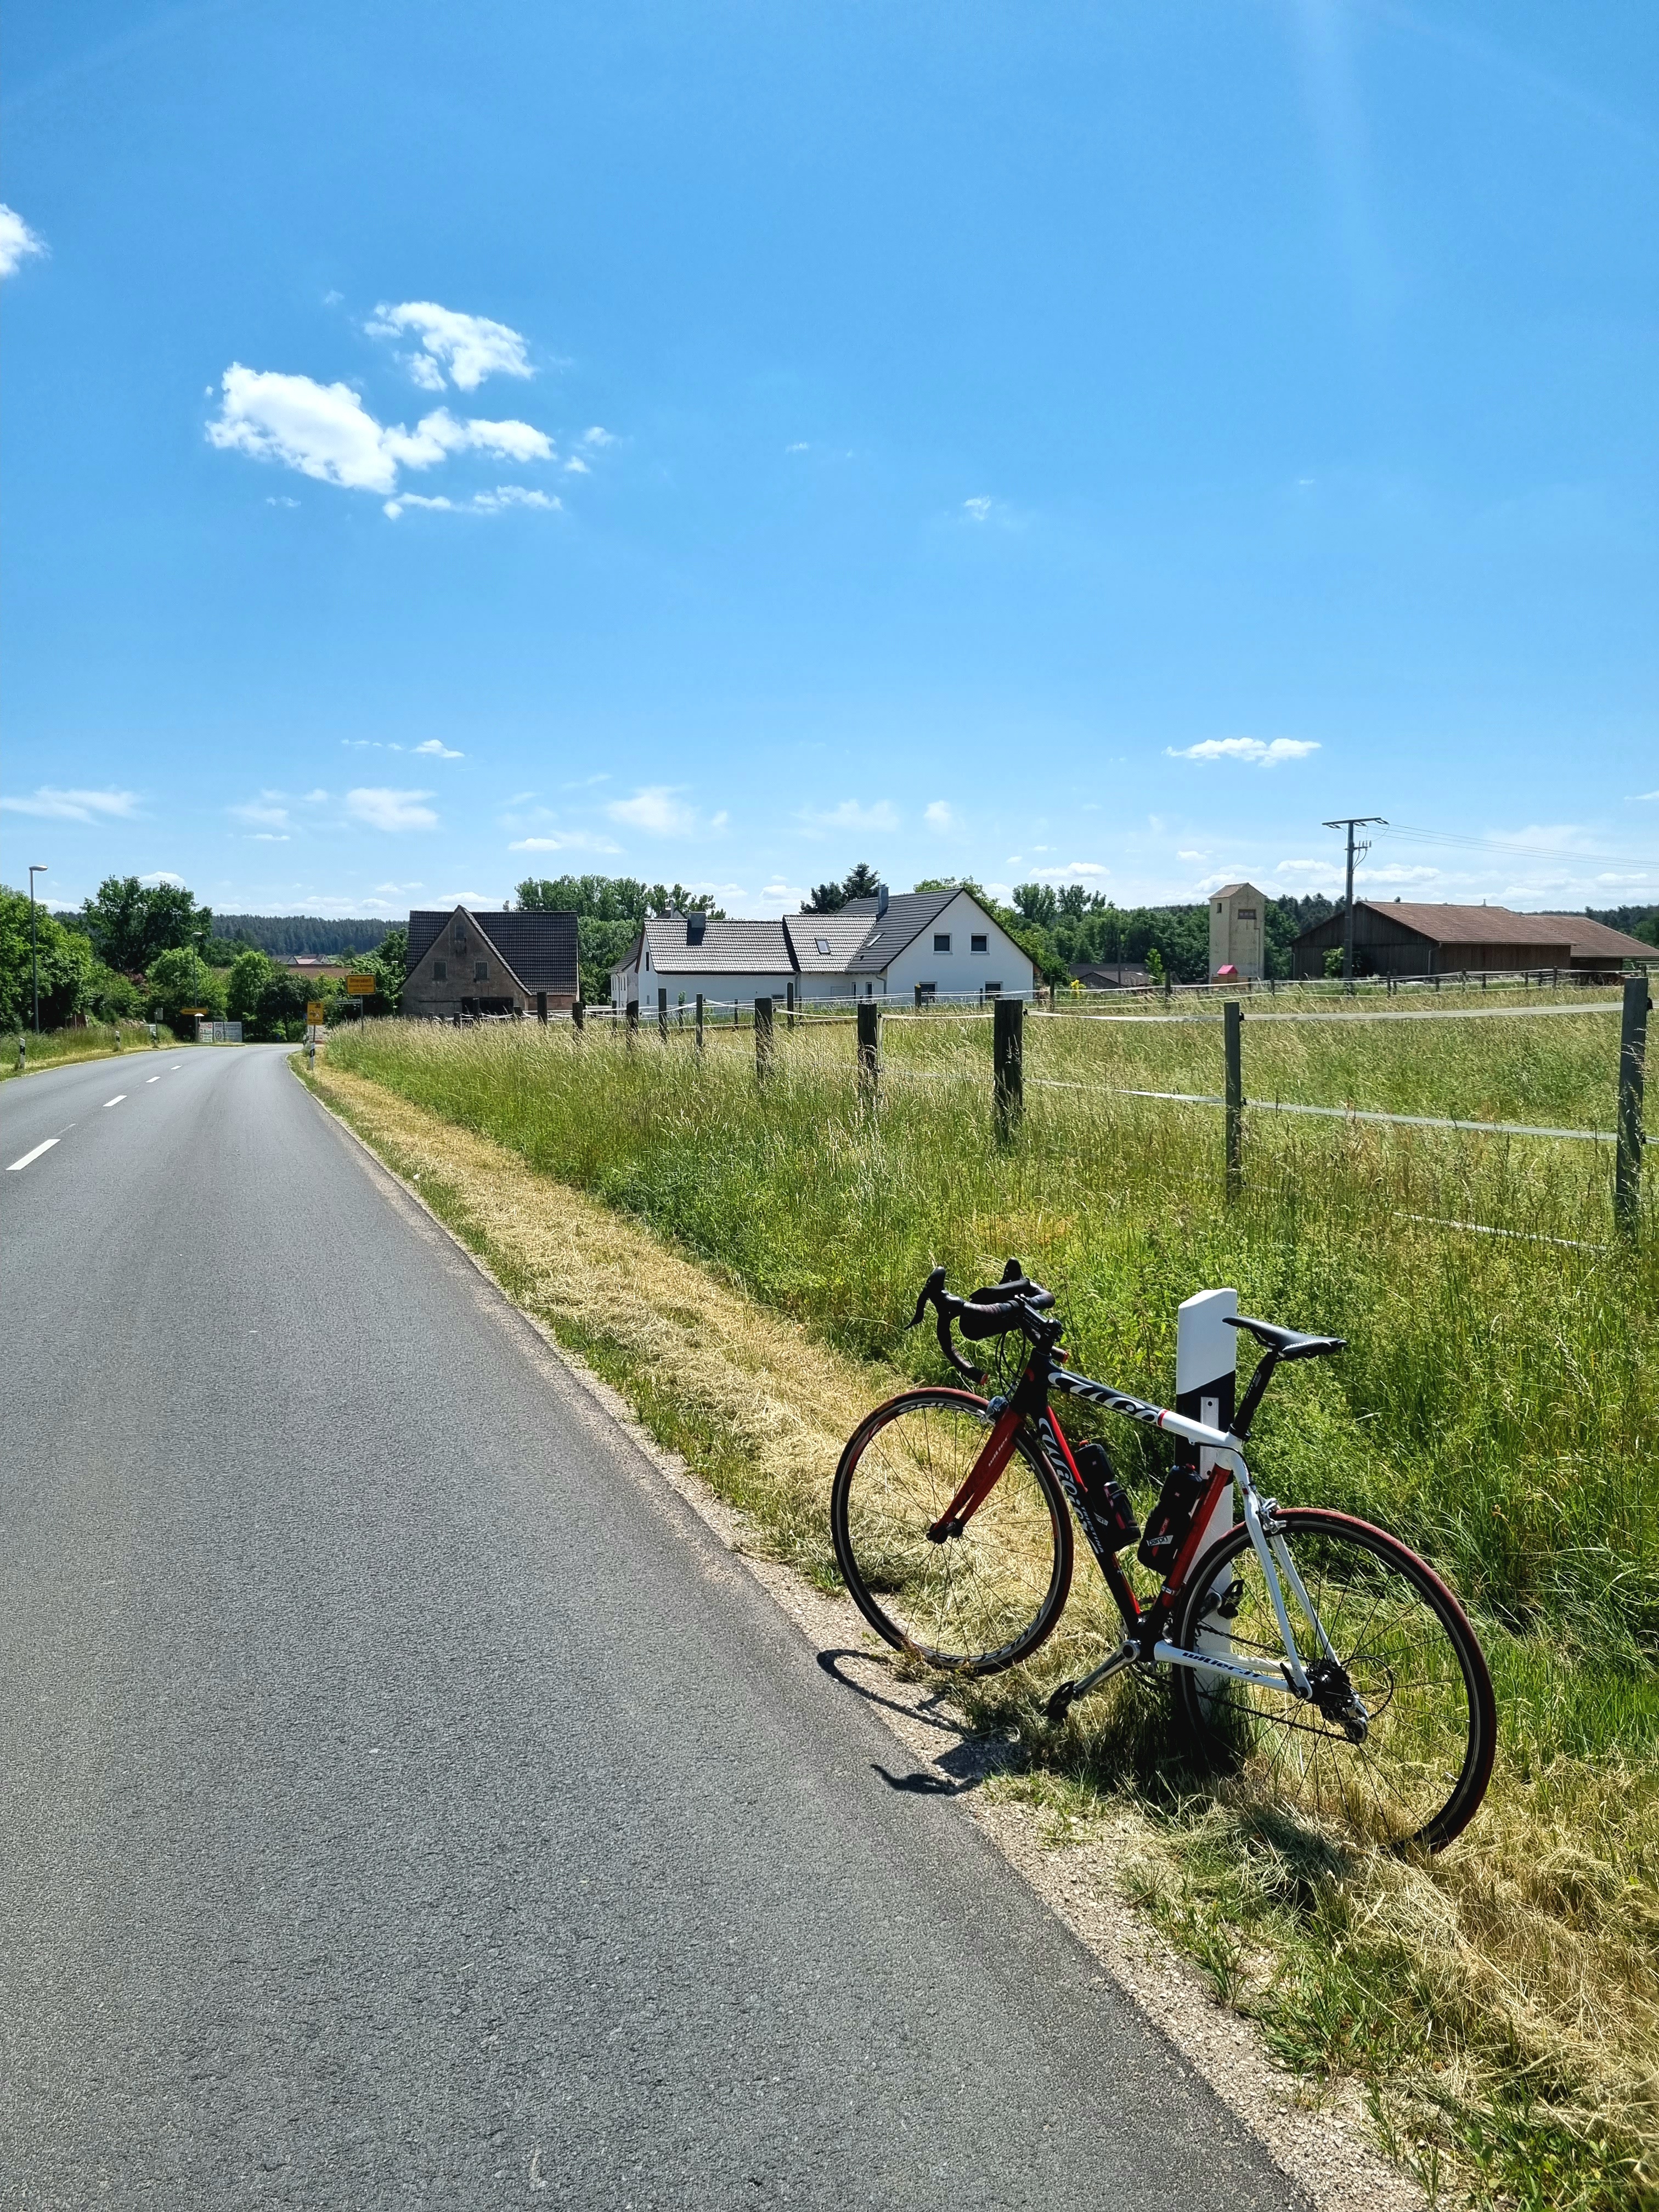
column 148, row 952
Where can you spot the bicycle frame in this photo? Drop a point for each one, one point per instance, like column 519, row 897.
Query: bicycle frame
column 1143, row 1640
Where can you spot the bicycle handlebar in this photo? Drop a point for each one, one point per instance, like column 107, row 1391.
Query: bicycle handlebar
column 996, row 1310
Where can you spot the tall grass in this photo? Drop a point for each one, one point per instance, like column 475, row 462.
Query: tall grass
column 1499, row 1402
column 1499, row 1407
column 61, row 1047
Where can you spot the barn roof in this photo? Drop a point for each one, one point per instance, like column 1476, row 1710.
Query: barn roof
column 843, row 933
column 1595, row 940
column 1461, row 925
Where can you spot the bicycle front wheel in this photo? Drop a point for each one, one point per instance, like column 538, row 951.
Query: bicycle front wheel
column 1396, row 1743
column 977, row 1602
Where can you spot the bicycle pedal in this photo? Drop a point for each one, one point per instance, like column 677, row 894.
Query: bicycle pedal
column 1060, row 1702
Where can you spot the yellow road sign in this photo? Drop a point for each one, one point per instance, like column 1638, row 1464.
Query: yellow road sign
column 314, row 1012
column 199, row 1012
column 362, row 987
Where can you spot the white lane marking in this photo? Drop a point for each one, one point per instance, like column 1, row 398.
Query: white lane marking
column 34, row 1155
column 116, row 1101
column 152, row 1078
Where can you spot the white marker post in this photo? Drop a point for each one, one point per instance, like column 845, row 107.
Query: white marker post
column 1206, row 1375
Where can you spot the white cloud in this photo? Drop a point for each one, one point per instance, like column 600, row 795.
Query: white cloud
column 1074, row 872
column 1192, row 856
column 978, row 509
column 391, row 810
column 575, row 466
column 51, row 804
column 1256, row 751
column 778, row 893
column 18, row 243
column 468, row 348
column 850, row 815
column 656, row 809
column 280, row 499
column 1641, row 797
column 164, row 876
column 325, row 431
column 599, row 436
column 439, row 749
column 566, row 841
column 800, row 446
column 482, row 502
column 939, row 814
column 261, row 814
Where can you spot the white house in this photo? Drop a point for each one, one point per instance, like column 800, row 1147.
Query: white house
column 942, row 942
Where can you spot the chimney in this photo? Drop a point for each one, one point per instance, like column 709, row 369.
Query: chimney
column 881, row 900
column 695, row 926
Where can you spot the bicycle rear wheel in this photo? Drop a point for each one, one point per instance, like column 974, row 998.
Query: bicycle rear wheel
column 979, row 1601
column 1413, row 1767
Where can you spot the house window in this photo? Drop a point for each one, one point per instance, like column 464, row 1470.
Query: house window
column 993, row 990
column 941, row 940
column 481, row 971
column 823, row 943
column 460, row 942
column 1247, row 914
column 928, row 990
column 441, row 971
column 978, row 944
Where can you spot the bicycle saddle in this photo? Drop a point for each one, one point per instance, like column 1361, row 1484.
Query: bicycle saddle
column 1287, row 1343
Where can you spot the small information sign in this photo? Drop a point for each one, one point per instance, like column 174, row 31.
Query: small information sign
column 314, row 1012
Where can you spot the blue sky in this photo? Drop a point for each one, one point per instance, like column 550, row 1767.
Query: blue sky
column 725, row 441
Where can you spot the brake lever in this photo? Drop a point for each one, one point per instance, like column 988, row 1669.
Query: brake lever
column 930, row 1295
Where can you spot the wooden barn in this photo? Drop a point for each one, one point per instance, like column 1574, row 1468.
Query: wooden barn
column 1398, row 937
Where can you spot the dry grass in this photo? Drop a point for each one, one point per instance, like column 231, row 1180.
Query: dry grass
column 1500, row 2004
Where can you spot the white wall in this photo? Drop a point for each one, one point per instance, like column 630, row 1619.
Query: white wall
column 745, row 988
column 960, row 973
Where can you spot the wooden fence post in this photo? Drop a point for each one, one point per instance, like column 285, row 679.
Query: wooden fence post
column 1233, row 1026
column 789, row 1003
column 1632, row 1055
column 700, row 1021
column 662, row 1011
column 869, row 1022
column 541, row 1008
column 1008, row 1061
column 633, row 1019
column 763, row 1039
column 577, row 1011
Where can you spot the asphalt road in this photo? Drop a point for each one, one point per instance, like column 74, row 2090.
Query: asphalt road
column 407, row 1799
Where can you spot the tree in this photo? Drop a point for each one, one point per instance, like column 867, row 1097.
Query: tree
column 64, row 959
column 1036, row 903
column 130, row 922
column 249, row 974
column 609, row 911
column 860, row 882
column 279, row 1012
column 179, row 977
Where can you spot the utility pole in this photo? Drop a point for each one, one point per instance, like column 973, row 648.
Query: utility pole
column 1351, row 822
column 34, row 964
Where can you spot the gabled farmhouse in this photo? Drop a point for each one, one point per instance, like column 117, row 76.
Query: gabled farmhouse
column 942, row 944
column 461, row 963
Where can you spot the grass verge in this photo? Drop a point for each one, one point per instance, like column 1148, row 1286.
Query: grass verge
column 1500, row 2005
column 63, row 1048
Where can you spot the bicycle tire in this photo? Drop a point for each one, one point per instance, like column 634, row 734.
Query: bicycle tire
column 1419, row 1775
column 976, row 1603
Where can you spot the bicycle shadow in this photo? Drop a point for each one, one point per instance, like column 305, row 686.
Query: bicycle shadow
column 965, row 1760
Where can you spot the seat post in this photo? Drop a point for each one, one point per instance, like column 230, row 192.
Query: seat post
column 1255, row 1391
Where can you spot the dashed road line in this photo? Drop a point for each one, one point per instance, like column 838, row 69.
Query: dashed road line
column 152, row 1078
column 34, row 1155
column 116, row 1101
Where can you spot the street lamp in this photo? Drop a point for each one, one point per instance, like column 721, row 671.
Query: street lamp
column 34, row 964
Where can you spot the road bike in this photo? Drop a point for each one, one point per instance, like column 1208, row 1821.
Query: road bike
column 1310, row 1652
